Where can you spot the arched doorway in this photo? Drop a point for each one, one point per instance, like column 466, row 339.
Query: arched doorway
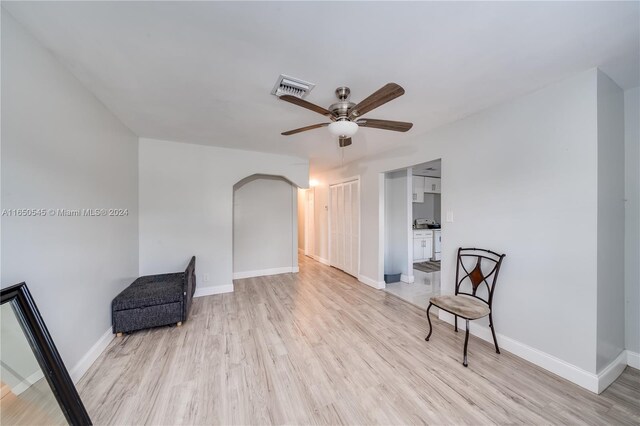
column 265, row 234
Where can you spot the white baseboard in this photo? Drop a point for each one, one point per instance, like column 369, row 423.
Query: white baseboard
column 320, row 259
column 26, row 383
column 611, row 372
column 379, row 285
column 596, row 383
column 555, row 365
column 265, row 272
column 215, row 289
column 407, row 278
column 92, row 354
column 633, row 359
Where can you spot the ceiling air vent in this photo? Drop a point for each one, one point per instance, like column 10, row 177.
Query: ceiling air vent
column 286, row 85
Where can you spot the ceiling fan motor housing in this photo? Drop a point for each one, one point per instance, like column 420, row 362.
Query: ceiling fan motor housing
column 341, row 108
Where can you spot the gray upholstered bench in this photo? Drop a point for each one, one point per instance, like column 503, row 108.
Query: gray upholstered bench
column 154, row 300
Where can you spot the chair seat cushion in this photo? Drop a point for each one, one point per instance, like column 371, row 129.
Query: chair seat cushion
column 464, row 306
column 150, row 290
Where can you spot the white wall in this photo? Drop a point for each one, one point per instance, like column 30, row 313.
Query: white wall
column 396, row 223
column 264, row 227
column 610, row 169
column 61, row 148
column 429, row 209
column 186, row 205
column 632, row 219
column 321, row 222
column 302, row 199
column 501, row 165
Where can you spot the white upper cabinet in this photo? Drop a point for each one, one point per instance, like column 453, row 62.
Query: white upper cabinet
column 432, row 185
column 418, row 189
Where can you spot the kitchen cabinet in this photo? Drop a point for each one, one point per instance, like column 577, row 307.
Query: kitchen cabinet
column 418, row 189
column 422, row 245
column 432, row 185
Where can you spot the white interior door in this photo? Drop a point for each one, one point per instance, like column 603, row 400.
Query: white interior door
column 344, row 226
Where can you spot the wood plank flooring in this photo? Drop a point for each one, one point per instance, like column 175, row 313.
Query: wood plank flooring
column 318, row 347
column 37, row 405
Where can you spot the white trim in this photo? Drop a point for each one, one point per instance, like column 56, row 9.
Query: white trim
column 27, row 383
column 320, row 259
column 633, row 359
column 596, row 383
column 379, row 285
column 409, row 195
column 216, row 289
column 407, row 278
column 264, row 272
column 542, row 359
column 90, row 357
column 381, row 226
column 612, row 371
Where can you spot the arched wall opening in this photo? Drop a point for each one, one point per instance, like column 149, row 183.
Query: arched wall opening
column 265, row 226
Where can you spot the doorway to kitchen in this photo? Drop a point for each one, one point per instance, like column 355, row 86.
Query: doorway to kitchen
column 413, row 237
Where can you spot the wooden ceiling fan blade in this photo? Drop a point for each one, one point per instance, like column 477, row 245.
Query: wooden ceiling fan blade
column 308, row 105
column 344, row 142
column 396, row 126
column 304, row 129
column 387, row 93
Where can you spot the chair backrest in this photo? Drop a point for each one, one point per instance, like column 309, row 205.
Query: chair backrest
column 476, row 267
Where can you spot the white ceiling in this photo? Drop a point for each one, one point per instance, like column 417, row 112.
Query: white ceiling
column 432, row 169
column 201, row 72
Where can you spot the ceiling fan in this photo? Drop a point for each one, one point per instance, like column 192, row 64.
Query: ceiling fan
column 346, row 116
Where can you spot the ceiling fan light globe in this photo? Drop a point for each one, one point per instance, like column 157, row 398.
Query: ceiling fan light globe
column 343, row 128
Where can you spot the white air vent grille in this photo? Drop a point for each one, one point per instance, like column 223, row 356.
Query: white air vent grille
column 286, row 85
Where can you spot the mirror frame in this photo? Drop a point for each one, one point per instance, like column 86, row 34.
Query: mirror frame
column 46, row 353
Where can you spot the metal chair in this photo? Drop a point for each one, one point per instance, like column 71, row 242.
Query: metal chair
column 471, row 306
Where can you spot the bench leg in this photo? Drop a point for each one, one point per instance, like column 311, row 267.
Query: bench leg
column 119, row 334
column 179, row 324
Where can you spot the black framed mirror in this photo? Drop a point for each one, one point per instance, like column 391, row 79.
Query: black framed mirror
column 36, row 387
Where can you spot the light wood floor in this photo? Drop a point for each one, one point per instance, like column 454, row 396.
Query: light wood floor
column 37, row 405
column 320, row 348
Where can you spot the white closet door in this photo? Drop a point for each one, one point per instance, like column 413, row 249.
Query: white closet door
column 344, row 229
column 333, row 219
column 340, row 228
column 355, row 228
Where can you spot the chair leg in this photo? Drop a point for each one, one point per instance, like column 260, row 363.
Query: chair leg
column 455, row 321
column 493, row 332
column 430, row 326
column 466, row 343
